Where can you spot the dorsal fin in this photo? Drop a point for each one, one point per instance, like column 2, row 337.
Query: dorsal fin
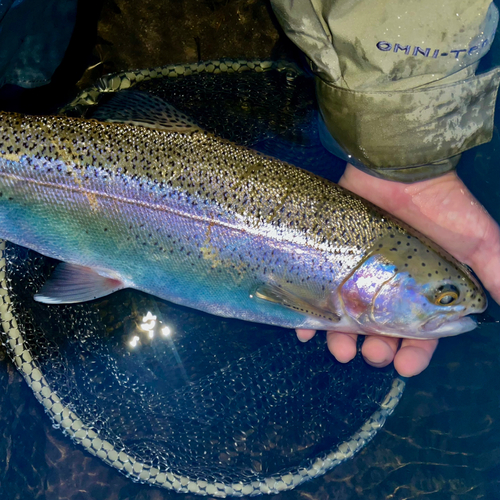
column 140, row 108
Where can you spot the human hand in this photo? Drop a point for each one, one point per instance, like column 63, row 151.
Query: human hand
column 444, row 210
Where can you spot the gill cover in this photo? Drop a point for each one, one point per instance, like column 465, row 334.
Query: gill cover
column 361, row 288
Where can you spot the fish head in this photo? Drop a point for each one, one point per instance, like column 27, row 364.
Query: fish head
column 406, row 287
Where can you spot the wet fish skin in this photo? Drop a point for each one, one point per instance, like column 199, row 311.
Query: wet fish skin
column 202, row 222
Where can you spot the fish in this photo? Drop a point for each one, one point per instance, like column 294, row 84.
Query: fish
column 150, row 201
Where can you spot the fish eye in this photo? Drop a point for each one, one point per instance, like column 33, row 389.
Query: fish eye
column 446, row 295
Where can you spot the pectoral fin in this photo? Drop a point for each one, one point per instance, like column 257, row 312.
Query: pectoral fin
column 278, row 295
column 70, row 283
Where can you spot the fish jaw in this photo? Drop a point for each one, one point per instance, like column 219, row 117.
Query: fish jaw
column 451, row 328
column 446, row 328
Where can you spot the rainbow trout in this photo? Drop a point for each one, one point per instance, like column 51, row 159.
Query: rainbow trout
column 186, row 216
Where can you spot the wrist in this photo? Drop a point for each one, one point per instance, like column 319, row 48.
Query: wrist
column 387, row 194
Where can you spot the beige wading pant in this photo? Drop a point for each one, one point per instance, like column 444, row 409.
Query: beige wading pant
column 396, row 79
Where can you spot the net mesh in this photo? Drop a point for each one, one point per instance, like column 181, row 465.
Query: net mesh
column 178, row 398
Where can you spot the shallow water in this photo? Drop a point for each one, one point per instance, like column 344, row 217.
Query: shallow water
column 443, row 441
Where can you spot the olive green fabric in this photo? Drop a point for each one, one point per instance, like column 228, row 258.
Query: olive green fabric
column 396, row 79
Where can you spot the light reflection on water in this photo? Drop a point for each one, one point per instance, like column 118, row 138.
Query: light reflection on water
column 152, row 329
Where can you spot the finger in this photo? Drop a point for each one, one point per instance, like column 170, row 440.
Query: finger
column 304, row 335
column 379, row 351
column 414, row 356
column 342, row 345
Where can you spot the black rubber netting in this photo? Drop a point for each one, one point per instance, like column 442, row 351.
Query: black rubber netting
column 218, row 399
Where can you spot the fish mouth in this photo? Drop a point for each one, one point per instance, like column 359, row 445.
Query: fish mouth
column 442, row 327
